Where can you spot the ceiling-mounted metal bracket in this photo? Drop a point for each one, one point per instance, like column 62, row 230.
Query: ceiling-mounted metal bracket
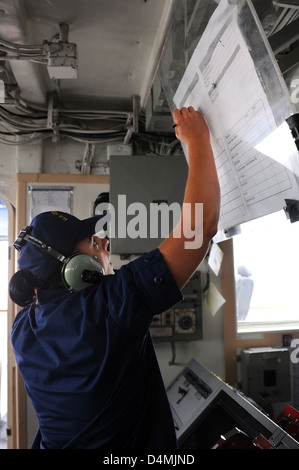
column 53, row 116
column 88, row 158
column 133, row 120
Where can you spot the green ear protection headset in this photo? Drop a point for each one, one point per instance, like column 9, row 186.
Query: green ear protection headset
column 78, row 271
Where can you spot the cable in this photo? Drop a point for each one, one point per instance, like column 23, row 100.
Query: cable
column 39, row 60
column 25, row 141
column 12, row 45
column 20, row 53
column 11, row 114
column 206, row 287
column 31, row 123
column 95, row 141
column 16, row 133
column 92, row 139
column 89, row 131
column 172, row 361
column 25, row 105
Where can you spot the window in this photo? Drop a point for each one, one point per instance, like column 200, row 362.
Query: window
column 266, row 263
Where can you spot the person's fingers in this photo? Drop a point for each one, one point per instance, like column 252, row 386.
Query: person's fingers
column 176, row 114
column 184, row 111
column 192, row 110
column 185, row 116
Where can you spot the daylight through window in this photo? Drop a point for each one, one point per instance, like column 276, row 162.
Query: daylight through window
column 266, row 263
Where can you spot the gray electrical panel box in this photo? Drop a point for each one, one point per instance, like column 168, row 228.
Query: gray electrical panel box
column 265, row 373
column 182, row 322
column 145, row 193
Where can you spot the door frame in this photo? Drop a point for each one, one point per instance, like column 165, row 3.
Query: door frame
column 17, row 403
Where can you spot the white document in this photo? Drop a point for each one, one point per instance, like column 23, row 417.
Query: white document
column 215, row 258
column 44, row 199
column 222, row 82
column 214, row 299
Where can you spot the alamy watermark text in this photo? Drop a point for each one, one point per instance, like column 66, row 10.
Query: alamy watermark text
column 136, row 220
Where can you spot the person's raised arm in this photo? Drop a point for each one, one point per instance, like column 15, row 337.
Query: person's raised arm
column 187, row 245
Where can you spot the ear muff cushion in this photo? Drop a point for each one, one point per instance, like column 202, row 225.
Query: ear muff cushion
column 74, row 269
column 21, row 287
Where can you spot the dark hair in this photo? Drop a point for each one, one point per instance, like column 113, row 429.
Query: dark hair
column 55, row 281
column 23, row 283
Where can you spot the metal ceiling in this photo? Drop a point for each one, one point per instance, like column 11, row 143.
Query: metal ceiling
column 118, row 44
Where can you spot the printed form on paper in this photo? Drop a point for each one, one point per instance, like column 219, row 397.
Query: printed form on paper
column 222, row 82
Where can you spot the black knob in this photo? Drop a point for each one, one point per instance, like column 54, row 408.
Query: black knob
column 185, row 323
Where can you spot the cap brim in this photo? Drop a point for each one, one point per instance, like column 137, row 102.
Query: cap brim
column 88, row 227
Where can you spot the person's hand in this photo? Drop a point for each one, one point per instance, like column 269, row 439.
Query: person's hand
column 191, row 127
column 100, row 250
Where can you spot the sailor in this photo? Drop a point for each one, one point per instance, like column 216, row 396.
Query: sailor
column 86, row 354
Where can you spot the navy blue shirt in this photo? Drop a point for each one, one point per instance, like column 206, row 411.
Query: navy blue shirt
column 89, row 365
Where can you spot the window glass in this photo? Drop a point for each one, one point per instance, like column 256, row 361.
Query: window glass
column 266, row 263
